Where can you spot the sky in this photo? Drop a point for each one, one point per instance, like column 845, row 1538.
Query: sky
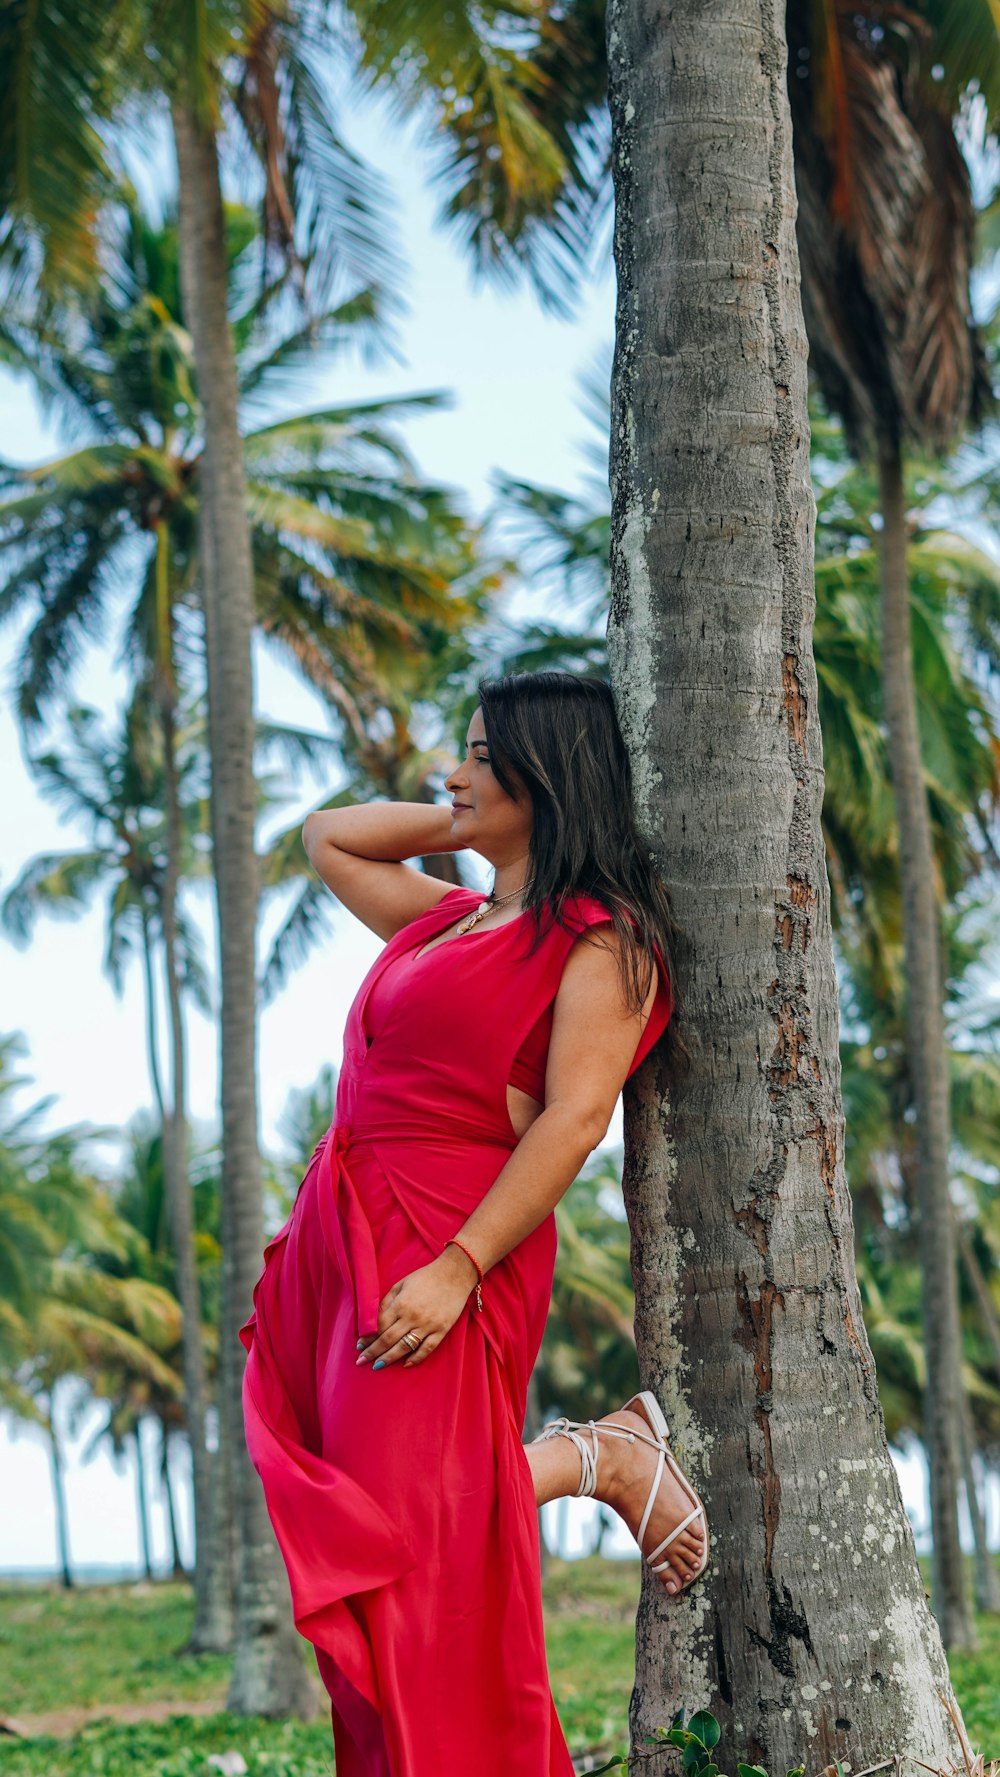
column 513, row 372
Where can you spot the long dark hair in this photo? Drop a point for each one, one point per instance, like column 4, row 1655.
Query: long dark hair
column 558, row 733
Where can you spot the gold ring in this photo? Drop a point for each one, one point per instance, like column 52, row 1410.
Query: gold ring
column 408, row 1337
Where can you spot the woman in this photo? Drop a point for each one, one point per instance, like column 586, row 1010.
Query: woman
column 402, row 1305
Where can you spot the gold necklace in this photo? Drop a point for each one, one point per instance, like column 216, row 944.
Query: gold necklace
column 485, row 907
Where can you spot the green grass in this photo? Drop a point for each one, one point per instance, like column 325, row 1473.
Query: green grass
column 102, row 1644
column 111, row 1645
column 976, row 1678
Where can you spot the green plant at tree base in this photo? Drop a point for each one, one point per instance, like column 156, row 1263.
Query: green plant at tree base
column 697, row 1740
column 699, row 1737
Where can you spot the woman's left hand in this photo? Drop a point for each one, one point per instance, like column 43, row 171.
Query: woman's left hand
column 426, row 1302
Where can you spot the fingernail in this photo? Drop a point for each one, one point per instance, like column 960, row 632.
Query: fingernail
column 378, row 1364
column 359, row 1345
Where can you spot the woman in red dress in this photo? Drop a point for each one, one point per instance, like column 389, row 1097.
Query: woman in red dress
column 402, row 1305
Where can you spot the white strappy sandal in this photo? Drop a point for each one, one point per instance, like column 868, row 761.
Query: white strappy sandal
column 650, row 1406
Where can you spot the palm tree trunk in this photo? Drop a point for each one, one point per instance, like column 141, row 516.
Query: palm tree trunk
column 988, row 1316
column 152, row 1053
column 224, row 1526
column 269, row 1674
column 208, row 1632
column 927, row 1061
column 57, row 1471
column 176, row 1558
column 810, row 1636
column 141, row 1505
column 986, row 1580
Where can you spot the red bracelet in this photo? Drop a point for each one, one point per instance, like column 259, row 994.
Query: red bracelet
column 479, row 1269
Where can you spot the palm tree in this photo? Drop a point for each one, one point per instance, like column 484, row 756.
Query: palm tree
column 881, row 1164
column 141, row 1204
column 885, row 228
column 748, row 1315
column 115, row 788
column 62, row 1319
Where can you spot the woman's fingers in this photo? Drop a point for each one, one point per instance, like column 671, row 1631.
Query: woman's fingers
column 378, row 1346
column 389, row 1347
column 387, row 1344
column 424, row 1349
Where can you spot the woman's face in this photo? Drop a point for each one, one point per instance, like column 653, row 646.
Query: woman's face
column 483, row 815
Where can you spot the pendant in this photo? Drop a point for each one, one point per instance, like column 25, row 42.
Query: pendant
column 473, row 919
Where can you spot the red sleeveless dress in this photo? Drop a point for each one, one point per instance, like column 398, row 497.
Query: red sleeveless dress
column 402, row 1500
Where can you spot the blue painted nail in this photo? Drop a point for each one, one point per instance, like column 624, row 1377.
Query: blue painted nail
column 359, row 1345
column 378, row 1364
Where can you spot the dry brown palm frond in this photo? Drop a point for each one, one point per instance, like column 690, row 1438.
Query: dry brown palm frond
column 885, row 231
column 942, row 367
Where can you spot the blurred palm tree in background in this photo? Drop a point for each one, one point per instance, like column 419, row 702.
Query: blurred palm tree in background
column 61, row 1316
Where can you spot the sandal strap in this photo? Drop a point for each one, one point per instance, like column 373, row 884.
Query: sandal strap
column 653, row 1491
column 572, row 1428
column 676, row 1532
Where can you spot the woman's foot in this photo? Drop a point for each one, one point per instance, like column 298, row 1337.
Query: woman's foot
column 624, row 1477
column 625, row 1473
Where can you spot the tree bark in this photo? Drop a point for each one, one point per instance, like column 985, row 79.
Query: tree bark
column 269, row 1674
column 927, row 1062
column 810, row 1635
column 208, row 1631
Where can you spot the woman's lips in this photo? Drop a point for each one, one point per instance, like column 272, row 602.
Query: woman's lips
column 457, row 807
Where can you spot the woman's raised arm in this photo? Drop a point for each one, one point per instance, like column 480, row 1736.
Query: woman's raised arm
column 358, row 852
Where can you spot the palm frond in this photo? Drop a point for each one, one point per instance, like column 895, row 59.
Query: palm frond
column 325, row 209
column 59, row 883
column 56, row 86
column 522, row 135
column 307, row 922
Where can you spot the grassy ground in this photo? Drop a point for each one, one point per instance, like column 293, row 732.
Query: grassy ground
column 110, row 1647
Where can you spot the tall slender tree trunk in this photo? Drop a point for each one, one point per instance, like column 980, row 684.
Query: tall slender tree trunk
column 989, row 1319
column 141, row 1503
column 269, row 1674
column 209, row 1631
column 810, row 1635
column 927, row 1061
column 986, row 1581
column 57, row 1471
column 176, row 1558
column 152, row 1051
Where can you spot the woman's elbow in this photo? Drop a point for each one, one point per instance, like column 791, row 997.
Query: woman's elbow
column 309, row 834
